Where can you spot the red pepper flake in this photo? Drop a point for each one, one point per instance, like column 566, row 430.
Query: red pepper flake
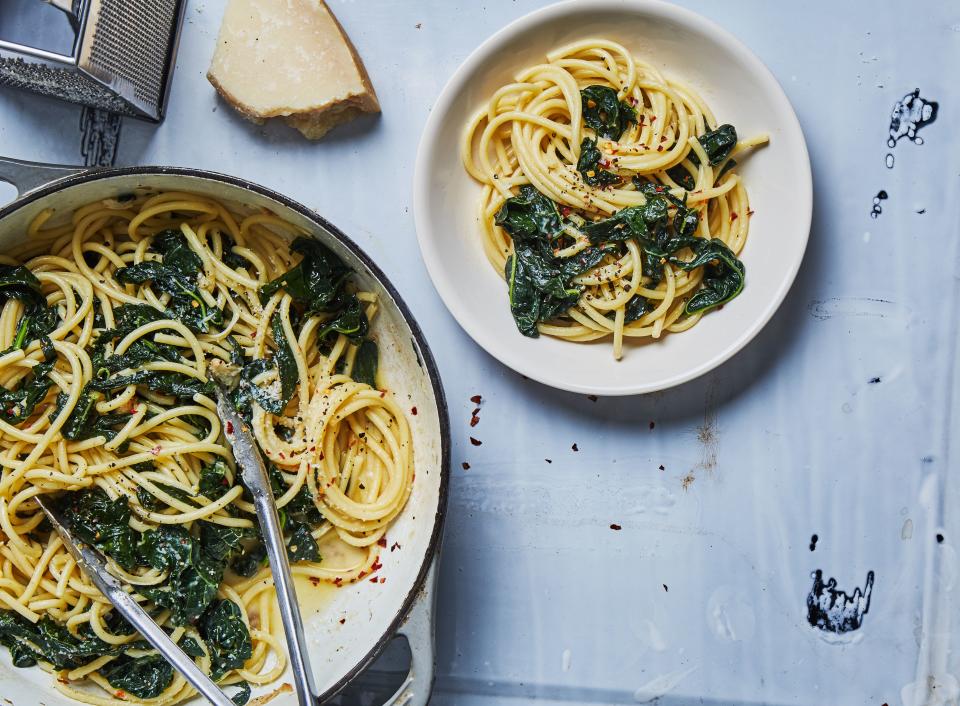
column 313, row 448
column 373, row 579
column 476, row 399
column 659, row 148
column 616, row 527
column 282, row 455
column 383, row 579
column 321, row 456
column 337, row 581
column 652, row 425
column 465, row 466
column 383, row 393
column 653, row 118
column 314, row 580
column 733, row 216
column 343, row 620
column 592, row 398
column 475, row 442
column 413, row 411
column 361, row 575
column 474, row 420
column 382, row 542
column 133, row 409
column 120, row 694
column 229, row 427
column 376, row 566
column 575, row 448
column 395, row 545
column 750, row 211
column 565, row 211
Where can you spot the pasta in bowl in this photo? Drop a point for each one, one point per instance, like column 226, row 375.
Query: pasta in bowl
column 603, row 199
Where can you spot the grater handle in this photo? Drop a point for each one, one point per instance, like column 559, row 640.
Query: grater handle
column 27, row 176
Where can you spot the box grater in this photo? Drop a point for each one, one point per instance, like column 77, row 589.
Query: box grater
column 122, row 58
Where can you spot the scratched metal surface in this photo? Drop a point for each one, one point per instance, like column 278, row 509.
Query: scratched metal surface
column 701, row 597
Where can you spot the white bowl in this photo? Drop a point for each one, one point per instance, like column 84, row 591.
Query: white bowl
column 739, row 89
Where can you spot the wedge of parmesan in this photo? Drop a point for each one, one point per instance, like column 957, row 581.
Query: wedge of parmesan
column 290, row 59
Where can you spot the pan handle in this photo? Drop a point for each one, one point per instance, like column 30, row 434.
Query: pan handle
column 26, row 176
column 418, row 629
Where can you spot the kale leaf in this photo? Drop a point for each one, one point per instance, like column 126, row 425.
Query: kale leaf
column 529, row 215
column 285, row 362
column 365, row 363
column 718, row 144
column 589, row 165
column 538, row 290
column 602, row 111
column 144, row 677
column 176, row 274
column 351, row 321
column 227, row 637
column 316, row 282
column 213, row 480
column 723, row 274
column 17, row 406
column 38, row 319
column 103, row 523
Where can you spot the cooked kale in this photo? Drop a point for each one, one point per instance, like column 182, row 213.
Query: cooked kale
column 723, row 275
column 316, row 283
column 285, row 362
column 589, row 165
column 144, row 677
column 175, row 274
column 18, row 405
column 365, row 363
column 213, row 480
column 603, row 112
column 227, row 637
column 529, row 215
column 540, row 283
column 38, row 319
column 103, row 523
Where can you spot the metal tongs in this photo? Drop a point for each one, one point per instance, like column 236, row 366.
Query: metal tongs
column 95, row 567
column 255, row 478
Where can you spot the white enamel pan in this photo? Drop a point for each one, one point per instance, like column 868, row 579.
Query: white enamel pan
column 362, row 618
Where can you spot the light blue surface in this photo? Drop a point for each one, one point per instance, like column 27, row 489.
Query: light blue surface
column 539, row 599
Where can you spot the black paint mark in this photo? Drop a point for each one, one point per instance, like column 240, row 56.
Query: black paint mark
column 832, row 610
column 813, row 542
column 877, row 209
column 910, row 115
column 874, row 381
column 939, row 538
column 927, row 459
column 922, row 211
column 100, row 138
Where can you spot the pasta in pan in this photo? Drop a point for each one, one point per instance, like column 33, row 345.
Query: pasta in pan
column 110, row 324
column 610, row 197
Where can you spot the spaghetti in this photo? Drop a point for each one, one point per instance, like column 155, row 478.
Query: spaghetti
column 111, row 322
column 598, row 173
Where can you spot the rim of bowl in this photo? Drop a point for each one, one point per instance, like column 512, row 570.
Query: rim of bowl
column 773, row 92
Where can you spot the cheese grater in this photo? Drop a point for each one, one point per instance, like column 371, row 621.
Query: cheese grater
column 122, row 58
